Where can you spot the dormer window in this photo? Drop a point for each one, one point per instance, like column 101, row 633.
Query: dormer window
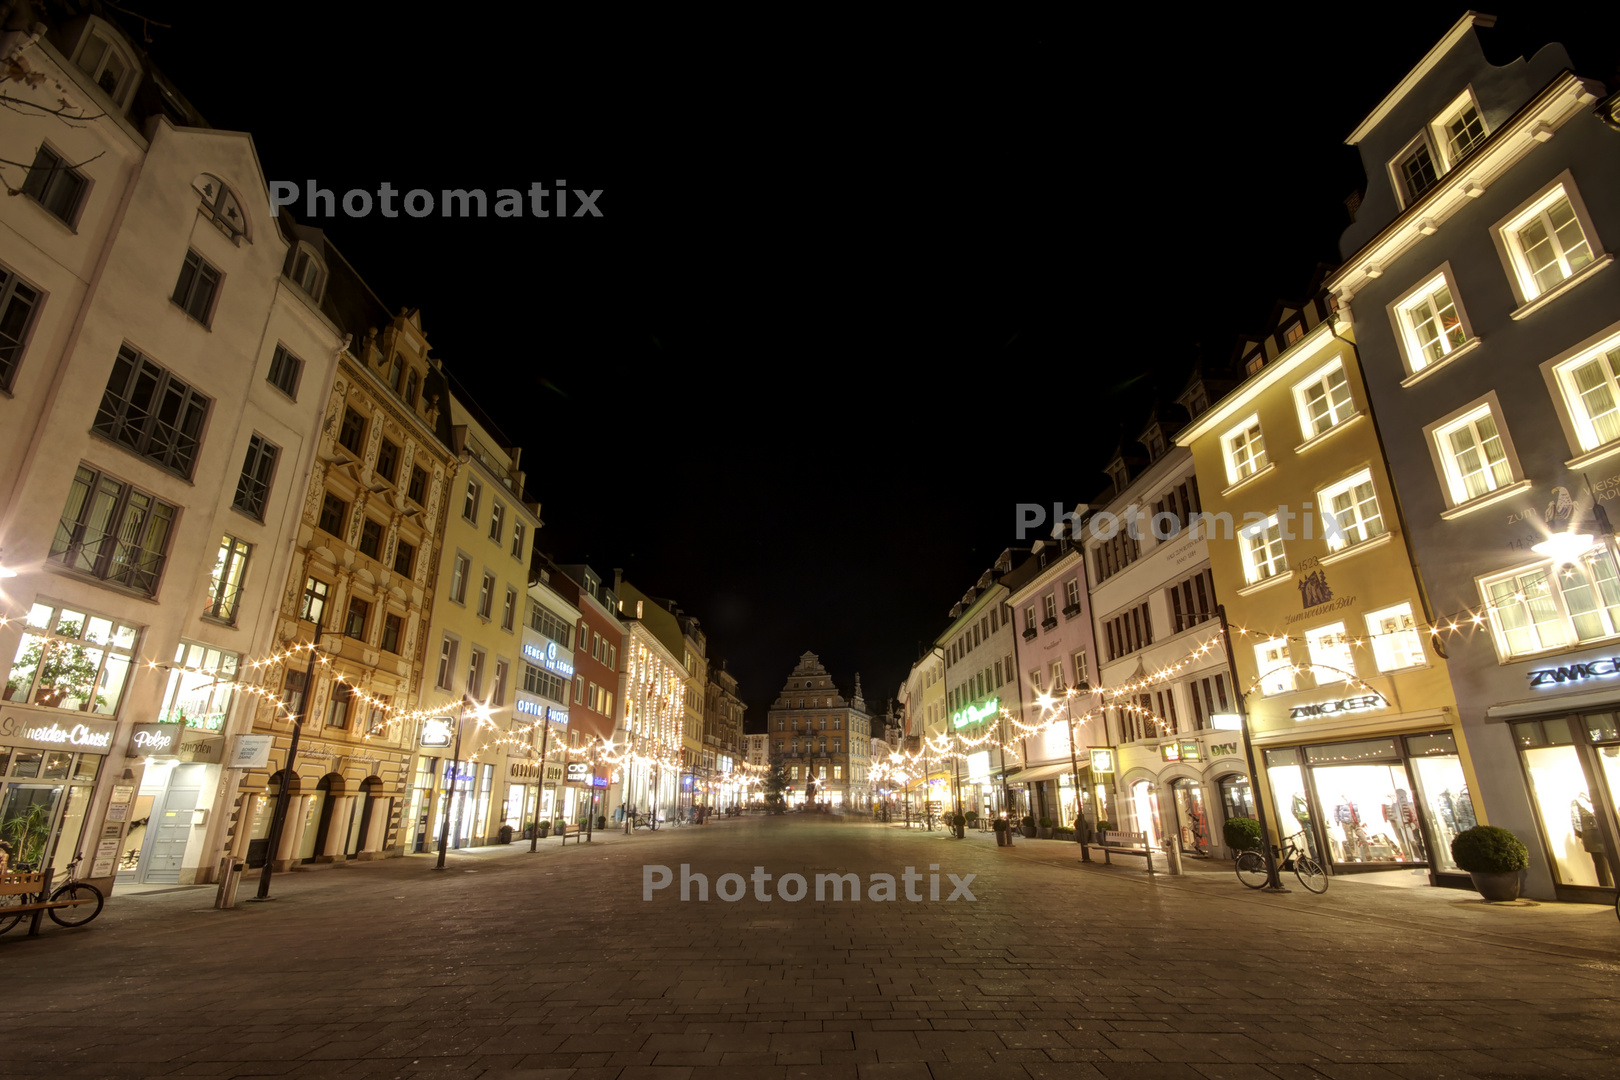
column 1417, row 171
column 104, row 58
column 1463, row 131
column 396, row 373
column 1293, row 332
column 309, row 273
column 1254, row 362
column 1438, row 148
column 219, row 205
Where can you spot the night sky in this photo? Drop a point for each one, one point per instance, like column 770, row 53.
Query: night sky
column 858, row 288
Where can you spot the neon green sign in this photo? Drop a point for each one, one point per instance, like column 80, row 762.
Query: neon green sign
column 974, row 713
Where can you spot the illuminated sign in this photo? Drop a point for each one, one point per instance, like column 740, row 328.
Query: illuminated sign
column 548, row 659
column 150, row 739
column 1226, row 721
column 54, row 734
column 529, row 708
column 1222, row 749
column 979, row 765
column 1170, row 752
column 1334, row 708
column 437, row 731
column 974, row 713
column 1102, row 759
column 1189, row 752
column 556, row 716
column 1590, row 669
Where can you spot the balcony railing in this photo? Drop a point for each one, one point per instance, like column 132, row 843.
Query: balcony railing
column 495, row 463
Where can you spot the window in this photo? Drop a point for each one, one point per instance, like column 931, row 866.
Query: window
column 469, row 507
column 55, row 185
column 838, row 770
column 71, row 660
column 393, row 630
column 1324, row 400
column 334, row 511
column 1549, row 607
column 1548, row 243
column 544, row 622
column 447, row 663
column 418, row 489
column 1416, row 171
column 1049, row 607
column 1395, row 640
column 195, row 289
column 475, row 673
column 292, row 694
column 113, row 531
column 371, row 538
column 1276, row 671
column 253, row 488
column 517, row 539
column 285, row 370
column 1350, row 510
column 352, row 432
column 1071, row 596
column 458, row 580
column 497, row 694
column 1128, row 631
column 107, row 65
column 1293, row 332
column 313, row 608
column 1330, row 653
column 202, row 685
column 337, row 713
column 18, row 302
column 1431, row 324
column 1475, row 459
column 225, row 584
column 1081, row 673
column 1245, row 450
column 1263, row 556
column 1591, row 386
column 410, row 389
column 544, row 683
column 152, row 413
column 1460, row 131
column 396, row 374
column 1057, row 676
column 355, row 624
column 387, row 460
column 486, row 595
column 1029, row 620
column 404, row 558
column 1192, row 601
column 509, row 612
column 497, row 516
column 308, row 274
column 579, row 689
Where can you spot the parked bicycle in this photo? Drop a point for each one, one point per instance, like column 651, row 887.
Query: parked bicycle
column 1251, row 867
column 73, row 903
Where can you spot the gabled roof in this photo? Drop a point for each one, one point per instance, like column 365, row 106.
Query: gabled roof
column 1463, row 27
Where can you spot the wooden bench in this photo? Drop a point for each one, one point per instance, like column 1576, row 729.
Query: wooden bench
column 1124, row 843
column 570, row 830
column 31, row 883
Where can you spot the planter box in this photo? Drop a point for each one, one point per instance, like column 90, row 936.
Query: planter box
column 1044, row 834
column 1496, row 888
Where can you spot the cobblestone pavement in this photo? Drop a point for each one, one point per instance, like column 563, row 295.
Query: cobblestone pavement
column 512, row 966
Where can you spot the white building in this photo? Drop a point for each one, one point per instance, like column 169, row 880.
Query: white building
column 155, row 442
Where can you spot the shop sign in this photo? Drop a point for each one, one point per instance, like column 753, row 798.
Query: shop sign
column 154, row 740
column 979, row 766
column 80, row 734
column 1102, row 759
column 974, row 713
column 1190, row 752
column 599, row 781
column 529, row 707
column 1588, row 669
column 250, row 752
column 549, row 659
column 579, row 772
column 1187, row 751
column 203, row 746
column 1225, row 749
column 1170, row 752
column 554, row 772
column 556, row 716
column 438, row 732
column 1363, row 703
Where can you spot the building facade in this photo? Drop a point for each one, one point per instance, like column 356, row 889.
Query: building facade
column 1352, row 716
column 648, row 753
column 722, row 736
column 598, row 676
column 1475, row 277
column 821, row 739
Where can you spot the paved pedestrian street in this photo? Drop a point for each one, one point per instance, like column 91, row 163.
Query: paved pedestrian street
column 550, row 965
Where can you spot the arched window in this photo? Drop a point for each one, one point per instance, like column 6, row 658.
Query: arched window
column 410, row 389
column 220, row 205
column 309, row 272
column 108, row 61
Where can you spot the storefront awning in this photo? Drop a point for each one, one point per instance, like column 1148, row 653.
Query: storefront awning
column 1039, row 772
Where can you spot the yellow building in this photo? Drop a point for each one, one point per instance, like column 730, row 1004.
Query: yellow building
column 1355, row 727
column 478, row 659
column 364, row 572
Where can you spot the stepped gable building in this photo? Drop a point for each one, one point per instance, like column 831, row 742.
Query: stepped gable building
column 821, row 738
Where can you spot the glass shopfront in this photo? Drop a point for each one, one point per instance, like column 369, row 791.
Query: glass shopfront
column 42, row 803
column 1373, row 804
column 1191, row 819
column 1572, row 765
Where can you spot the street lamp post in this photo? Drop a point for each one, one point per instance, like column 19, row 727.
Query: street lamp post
column 450, row 791
column 1273, row 882
column 540, row 792
column 1080, row 825
column 278, row 818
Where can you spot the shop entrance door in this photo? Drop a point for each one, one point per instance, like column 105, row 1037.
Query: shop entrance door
column 1190, row 817
column 171, row 830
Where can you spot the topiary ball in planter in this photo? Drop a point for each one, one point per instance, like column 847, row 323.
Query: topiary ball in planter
column 1494, row 859
column 1242, row 834
column 1046, row 823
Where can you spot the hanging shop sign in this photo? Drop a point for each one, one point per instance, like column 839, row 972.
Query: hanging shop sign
column 978, row 764
column 549, row 658
column 438, row 732
column 250, row 752
column 1102, row 759
column 1364, row 703
column 1587, row 669
column 154, row 740
column 974, row 713
column 52, row 734
column 1187, row 751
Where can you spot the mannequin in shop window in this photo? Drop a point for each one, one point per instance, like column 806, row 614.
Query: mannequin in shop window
column 1301, row 811
column 1585, row 824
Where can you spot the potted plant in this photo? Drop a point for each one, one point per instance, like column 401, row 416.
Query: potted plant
column 1101, row 829
column 1061, row 832
column 1044, row 830
column 1495, row 860
column 973, row 819
column 1028, row 826
column 1242, row 834
column 545, row 829
column 503, row 835
column 1003, row 838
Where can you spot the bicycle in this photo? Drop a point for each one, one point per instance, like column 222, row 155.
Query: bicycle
column 73, row 903
column 1251, row 867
